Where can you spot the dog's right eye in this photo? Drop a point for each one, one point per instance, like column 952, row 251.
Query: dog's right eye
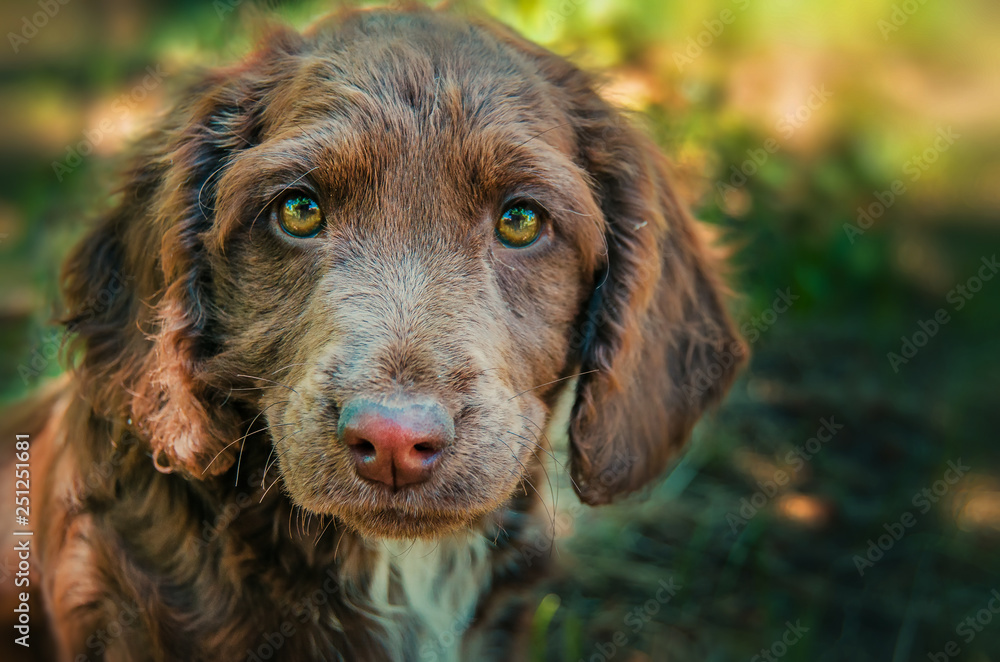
column 519, row 226
column 300, row 216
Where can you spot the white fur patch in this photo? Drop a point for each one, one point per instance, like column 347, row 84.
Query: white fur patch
column 434, row 585
column 557, row 429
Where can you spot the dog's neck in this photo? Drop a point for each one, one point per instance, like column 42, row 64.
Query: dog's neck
column 433, row 586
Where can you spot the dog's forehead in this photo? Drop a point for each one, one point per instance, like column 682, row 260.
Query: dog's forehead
column 419, row 76
column 431, row 117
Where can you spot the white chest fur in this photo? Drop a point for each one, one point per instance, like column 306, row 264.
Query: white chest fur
column 434, row 587
column 431, row 588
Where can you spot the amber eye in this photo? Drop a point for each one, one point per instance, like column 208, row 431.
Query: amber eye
column 519, row 226
column 300, row 216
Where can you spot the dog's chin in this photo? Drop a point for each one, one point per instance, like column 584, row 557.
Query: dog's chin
column 397, row 525
column 383, row 514
column 386, row 521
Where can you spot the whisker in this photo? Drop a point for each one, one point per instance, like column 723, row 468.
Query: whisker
column 494, row 261
column 268, row 490
column 224, row 448
column 323, row 532
column 437, row 543
column 266, row 427
column 500, row 531
column 306, row 521
column 239, row 459
column 545, row 471
column 540, row 446
column 555, row 459
column 542, row 133
column 264, row 379
column 554, row 381
column 524, row 478
column 269, row 464
column 256, row 388
column 234, row 441
column 336, row 550
column 201, row 206
column 292, row 365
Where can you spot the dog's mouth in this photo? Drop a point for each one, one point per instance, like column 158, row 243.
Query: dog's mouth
column 412, row 512
column 398, row 523
column 403, row 469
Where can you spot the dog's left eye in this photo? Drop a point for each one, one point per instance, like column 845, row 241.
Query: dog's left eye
column 300, row 216
column 519, row 226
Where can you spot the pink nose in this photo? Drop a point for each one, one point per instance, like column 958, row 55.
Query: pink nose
column 397, row 444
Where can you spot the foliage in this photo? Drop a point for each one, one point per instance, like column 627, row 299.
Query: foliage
column 784, row 120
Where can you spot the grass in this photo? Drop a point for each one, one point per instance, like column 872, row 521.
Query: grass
column 789, row 568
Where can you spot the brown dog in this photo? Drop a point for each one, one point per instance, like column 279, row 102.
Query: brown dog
column 322, row 339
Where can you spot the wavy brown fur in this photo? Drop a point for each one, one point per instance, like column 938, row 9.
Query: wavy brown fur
column 196, row 499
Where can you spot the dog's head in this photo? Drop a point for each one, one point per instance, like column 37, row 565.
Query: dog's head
column 395, row 238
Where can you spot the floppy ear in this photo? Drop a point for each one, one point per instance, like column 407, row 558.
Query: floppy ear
column 179, row 412
column 658, row 346
column 141, row 356
column 655, row 346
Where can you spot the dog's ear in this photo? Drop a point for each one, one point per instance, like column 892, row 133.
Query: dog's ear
column 141, row 355
column 657, row 345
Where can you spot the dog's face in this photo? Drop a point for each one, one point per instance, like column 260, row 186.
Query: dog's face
column 410, row 232
column 397, row 237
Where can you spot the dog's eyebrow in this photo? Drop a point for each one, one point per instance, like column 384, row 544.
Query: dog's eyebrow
column 272, row 167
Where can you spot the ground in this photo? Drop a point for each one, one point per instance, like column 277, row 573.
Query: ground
column 843, row 503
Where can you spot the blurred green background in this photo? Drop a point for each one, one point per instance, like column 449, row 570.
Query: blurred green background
column 847, row 151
